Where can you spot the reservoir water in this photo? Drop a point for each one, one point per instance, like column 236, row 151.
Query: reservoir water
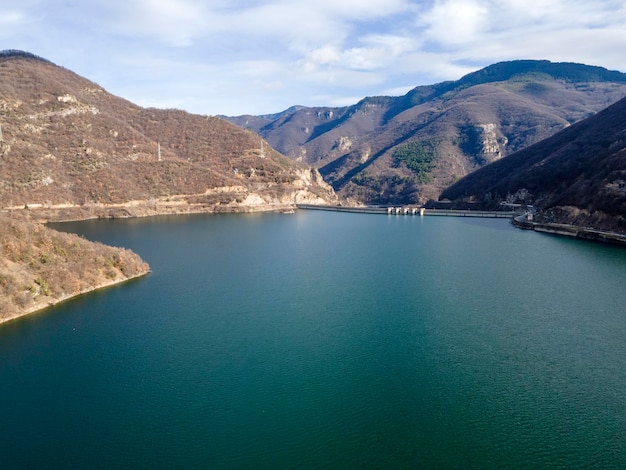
column 326, row 340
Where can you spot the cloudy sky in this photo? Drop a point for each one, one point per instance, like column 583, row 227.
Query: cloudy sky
column 262, row 56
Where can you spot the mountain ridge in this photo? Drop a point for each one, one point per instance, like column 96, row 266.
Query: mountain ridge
column 67, row 141
column 576, row 177
column 69, row 150
column 479, row 118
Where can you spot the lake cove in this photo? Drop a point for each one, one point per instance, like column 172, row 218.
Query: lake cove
column 326, row 340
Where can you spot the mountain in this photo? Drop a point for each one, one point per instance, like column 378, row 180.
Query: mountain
column 408, row 149
column 576, row 177
column 70, row 149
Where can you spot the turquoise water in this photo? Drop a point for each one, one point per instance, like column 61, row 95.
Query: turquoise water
column 326, row 340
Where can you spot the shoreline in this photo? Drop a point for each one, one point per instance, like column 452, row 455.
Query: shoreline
column 79, row 213
column 581, row 233
column 571, row 231
column 41, row 306
column 136, row 209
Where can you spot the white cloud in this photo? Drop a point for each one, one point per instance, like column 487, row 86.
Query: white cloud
column 459, row 21
column 184, row 22
column 261, row 56
column 10, row 18
column 486, row 31
column 373, row 53
column 174, row 22
column 12, row 23
column 455, row 21
column 362, row 9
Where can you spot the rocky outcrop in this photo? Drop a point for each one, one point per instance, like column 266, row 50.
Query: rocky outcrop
column 491, row 145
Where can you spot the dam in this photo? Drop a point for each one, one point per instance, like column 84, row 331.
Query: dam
column 411, row 211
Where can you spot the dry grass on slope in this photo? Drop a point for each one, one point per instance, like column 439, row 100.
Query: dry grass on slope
column 40, row 266
column 68, row 142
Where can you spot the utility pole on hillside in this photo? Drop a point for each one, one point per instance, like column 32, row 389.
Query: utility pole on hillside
column 159, row 151
column 1, row 139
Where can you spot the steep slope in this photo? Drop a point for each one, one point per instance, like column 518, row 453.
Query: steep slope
column 71, row 150
column 577, row 176
column 409, row 148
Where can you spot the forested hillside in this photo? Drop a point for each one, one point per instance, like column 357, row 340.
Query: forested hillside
column 577, row 176
column 40, row 266
column 408, row 149
column 71, row 150
column 70, row 147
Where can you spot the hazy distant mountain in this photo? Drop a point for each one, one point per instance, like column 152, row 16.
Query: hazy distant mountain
column 68, row 145
column 409, row 148
column 577, row 176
